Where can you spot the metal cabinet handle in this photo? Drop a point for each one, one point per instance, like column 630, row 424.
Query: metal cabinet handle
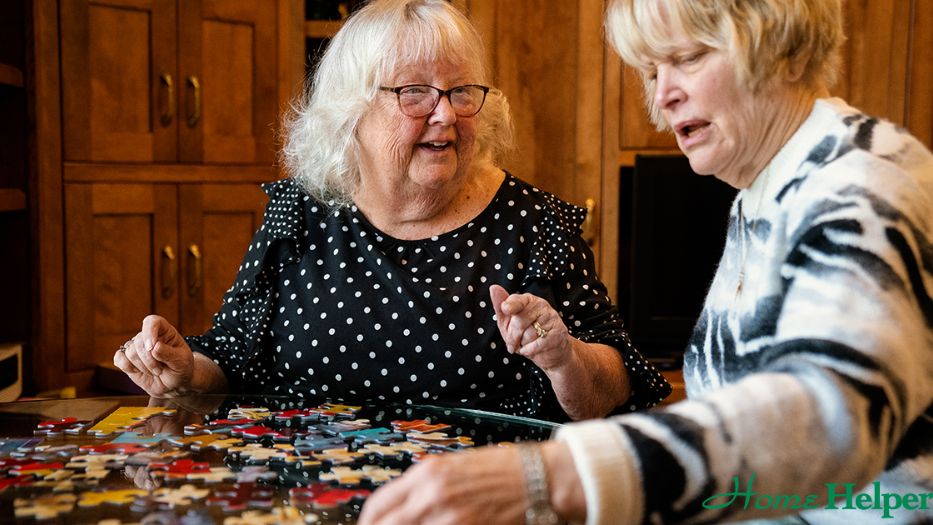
column 168, row 111
column 169, row 271
column 194, row 269
column 194, row 114
column 591, row 223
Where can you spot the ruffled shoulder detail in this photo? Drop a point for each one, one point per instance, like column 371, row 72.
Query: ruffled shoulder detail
column 281, row 236
column 556, row 227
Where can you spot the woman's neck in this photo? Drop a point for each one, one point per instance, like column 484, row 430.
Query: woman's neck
column 429, row 212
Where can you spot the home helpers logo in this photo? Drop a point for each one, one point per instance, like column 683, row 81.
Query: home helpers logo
column 838, row 496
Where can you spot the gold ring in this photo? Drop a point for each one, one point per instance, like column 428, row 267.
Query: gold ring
column 539, row 330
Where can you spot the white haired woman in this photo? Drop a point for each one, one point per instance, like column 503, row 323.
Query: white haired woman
column 809, row 370
column 400, row 262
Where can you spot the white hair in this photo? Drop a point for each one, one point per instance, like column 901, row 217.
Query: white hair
column 322, row 151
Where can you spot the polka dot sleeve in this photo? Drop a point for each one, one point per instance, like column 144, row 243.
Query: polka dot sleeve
column 573, row 288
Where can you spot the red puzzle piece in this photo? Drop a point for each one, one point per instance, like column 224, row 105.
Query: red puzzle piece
column 325, row 496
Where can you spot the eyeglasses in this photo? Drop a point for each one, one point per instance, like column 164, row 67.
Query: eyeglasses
column 419, row 100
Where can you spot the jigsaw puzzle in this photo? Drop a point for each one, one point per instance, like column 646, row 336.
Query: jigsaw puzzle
column 279, row 461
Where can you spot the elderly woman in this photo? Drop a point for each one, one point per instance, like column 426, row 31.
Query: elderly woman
column 809, row 371
column 399, row 262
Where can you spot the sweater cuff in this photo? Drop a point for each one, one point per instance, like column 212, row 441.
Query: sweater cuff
column 606, row 463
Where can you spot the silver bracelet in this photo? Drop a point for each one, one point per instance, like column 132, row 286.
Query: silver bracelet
column 539, row 511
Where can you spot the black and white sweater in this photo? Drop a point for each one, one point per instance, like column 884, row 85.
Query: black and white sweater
column 810, row 370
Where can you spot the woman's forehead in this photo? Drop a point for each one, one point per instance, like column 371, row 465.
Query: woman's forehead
column 449, row 69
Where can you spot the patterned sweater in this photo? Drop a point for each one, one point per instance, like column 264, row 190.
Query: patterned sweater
column 810, row 371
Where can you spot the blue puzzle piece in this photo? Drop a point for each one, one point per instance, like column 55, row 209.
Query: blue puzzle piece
column 318, row 443
column 378, row 435
column 138, row 439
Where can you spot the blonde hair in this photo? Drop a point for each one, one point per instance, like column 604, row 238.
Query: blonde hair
column 766, row 38
column 321, row 149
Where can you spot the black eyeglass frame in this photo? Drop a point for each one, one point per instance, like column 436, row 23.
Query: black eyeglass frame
column 440, row 94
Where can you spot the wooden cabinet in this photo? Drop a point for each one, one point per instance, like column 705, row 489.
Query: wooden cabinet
column 134, row 249
column 160, row 81
column 155, row 124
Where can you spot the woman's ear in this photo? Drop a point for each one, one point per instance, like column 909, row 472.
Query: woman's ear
column 795, row 66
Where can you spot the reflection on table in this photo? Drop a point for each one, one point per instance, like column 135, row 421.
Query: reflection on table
column 222, row 459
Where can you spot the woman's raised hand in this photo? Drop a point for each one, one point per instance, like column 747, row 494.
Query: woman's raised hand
column 157, row 359
column 531, row 328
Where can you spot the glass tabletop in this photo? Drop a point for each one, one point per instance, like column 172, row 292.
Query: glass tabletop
column 223, row 458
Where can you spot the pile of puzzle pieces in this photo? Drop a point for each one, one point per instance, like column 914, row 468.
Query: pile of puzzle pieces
column 250, row 465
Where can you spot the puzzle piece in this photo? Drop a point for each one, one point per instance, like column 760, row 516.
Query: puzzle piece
column 214, row 475
column 219, row 426
column 10, row 445
column 296, row 417
column 252, row 474
column 256, row 454
column 260, row 432
column 380, row 435
column 112, row 497
column 114, row 447
column 201, row 440
column 180, row 497
column 97, row 462
column 50, row 452
column 124, row 418
column 135, row 438
column 35, row 469
column 317, row 443
column 324, row 496
column 44, row 507
column 335, row 456
column 241, row 496
column 248, row 412
column 333, row 411
column 277, row 516
column 179, row 469
column 69, row 481
column 352, row 477
column 441, row 440
column 154, row 456
column 13, row 482
column 395, row 451
column 58, row 427
column 349, row 425
column 7, row 463
column 418, row 425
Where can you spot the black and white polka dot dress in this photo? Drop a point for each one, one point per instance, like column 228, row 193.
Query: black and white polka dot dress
column 324, row 304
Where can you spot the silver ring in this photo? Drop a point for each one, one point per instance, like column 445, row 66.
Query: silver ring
column 540, row 330
column 124, row 346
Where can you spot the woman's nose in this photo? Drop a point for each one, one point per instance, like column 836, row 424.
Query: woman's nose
column 667, row 91
column 443, row 112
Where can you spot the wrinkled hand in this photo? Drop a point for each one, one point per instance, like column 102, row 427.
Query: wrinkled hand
column 517, row 316
column 475, row 487
column 157, row 359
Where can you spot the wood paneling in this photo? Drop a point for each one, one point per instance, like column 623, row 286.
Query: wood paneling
column 229, row 47
column 118, row 271
column 113, row 56
column 217, row 223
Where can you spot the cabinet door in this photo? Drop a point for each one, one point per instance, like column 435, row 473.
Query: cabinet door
column 118, row 80
column 121, row 265
column 217, row 223
column 228, row 107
